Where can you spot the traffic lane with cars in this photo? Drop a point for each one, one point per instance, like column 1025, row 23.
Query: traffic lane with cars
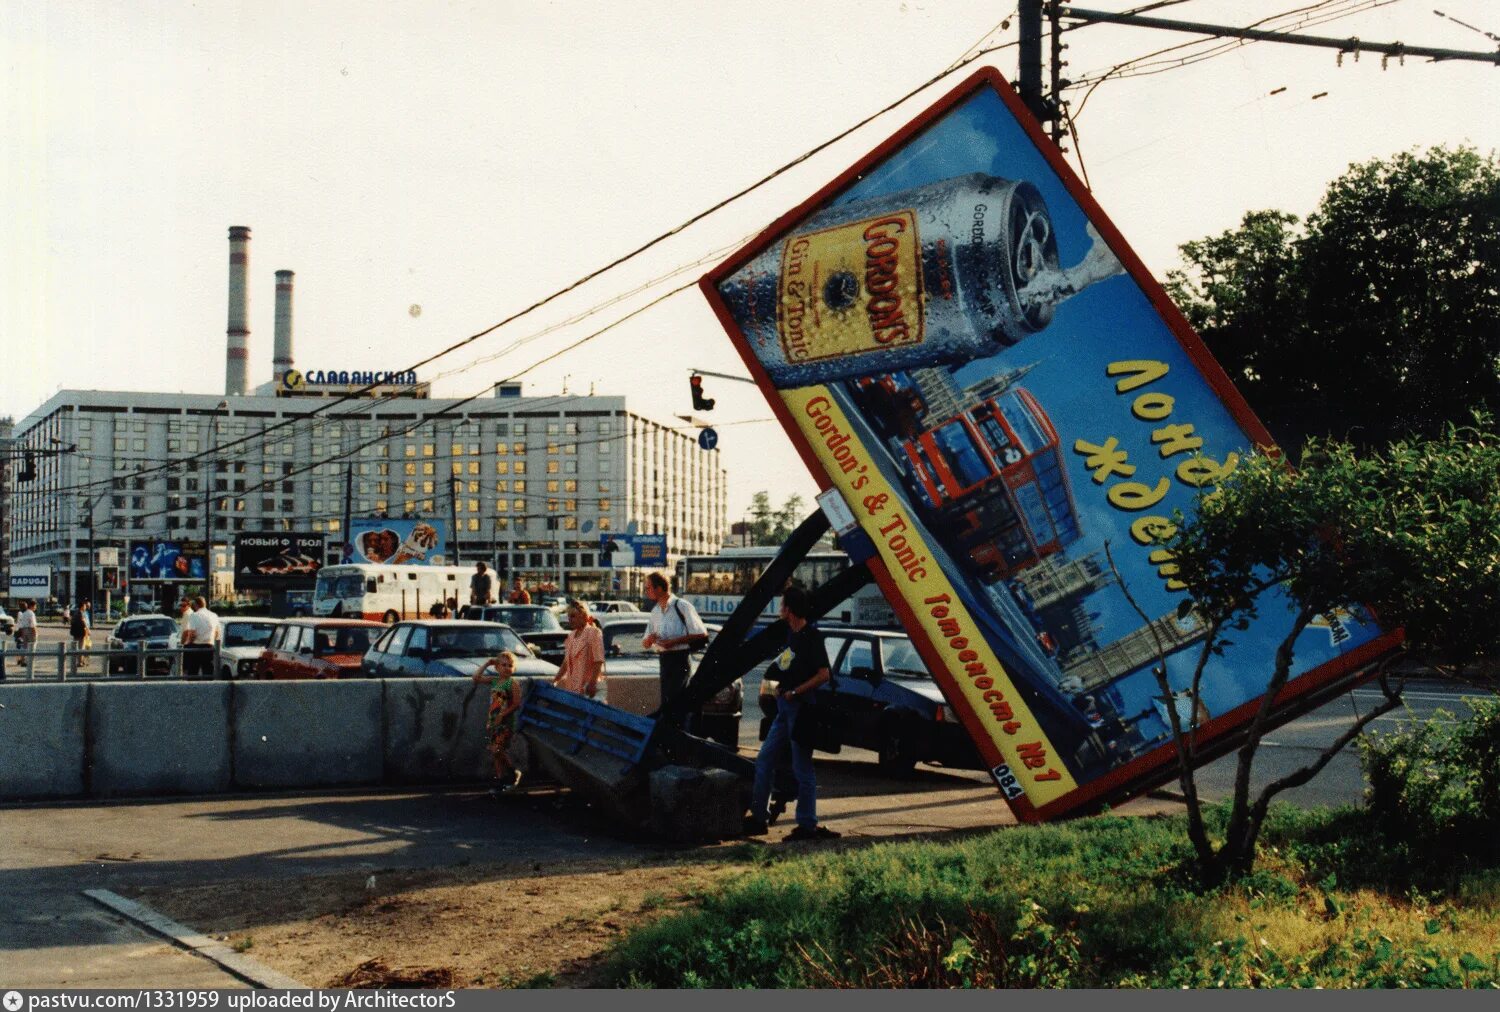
column 1284, row 750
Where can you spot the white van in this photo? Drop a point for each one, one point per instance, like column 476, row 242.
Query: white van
column 387, row 593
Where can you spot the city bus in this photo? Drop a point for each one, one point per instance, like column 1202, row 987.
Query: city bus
column 994, row 484
column 716, row 584
column 387, row 593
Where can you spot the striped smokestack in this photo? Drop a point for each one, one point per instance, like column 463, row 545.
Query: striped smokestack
column 282, row 361
column 237, row 353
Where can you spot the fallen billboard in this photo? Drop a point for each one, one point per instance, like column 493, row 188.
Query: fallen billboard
column 277, row 561
column 960, row 343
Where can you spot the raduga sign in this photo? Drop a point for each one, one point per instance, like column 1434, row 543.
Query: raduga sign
column 960, row 342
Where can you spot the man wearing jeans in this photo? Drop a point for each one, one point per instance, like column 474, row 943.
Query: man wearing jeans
column 798, row 671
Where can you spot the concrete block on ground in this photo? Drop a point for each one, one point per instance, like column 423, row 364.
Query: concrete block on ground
column 434, row 730
column 307, row 734
column 159, row 738
column 42, row 740
column 689, row 804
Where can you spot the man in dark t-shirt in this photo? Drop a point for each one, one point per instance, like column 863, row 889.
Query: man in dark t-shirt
column 480, row 585
column 798, row 671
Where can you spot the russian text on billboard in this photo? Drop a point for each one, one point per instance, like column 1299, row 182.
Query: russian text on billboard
column 960, row 343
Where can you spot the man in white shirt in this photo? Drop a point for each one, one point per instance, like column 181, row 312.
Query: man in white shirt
column 26, row 626
column 199, row 636
column 675, row 632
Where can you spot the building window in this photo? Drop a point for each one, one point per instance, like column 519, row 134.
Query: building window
column 520, row 467
column 428, row 467
column 427, row 487
column 552, row 485
column 551, row 447
column 571, row 485
column 501, row 449
column 501, row 505
column 520, row 485
column 429, row 449
column 553, row 466
column 551, row 428
column 570, row 467
column 502, row 486
column 502, row 467
column 410, row 469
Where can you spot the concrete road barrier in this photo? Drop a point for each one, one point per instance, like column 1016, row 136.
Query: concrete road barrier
column 434, row 730
column 169, row 738
column 42, row 741
column 307, row 734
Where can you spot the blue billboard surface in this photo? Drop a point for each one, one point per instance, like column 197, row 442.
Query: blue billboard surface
column 626, row 551
column 960, row 343
column 168, row 560
column 397, row 542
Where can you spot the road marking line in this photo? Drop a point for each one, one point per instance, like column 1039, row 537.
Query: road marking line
column 249, row 970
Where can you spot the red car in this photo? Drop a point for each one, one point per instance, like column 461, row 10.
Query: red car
column 317, row 648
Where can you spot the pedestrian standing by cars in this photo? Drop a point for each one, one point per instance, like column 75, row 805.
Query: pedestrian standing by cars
column 675, row 632
column 801, row 667
column 583, row 653
column 500, row 723
column 80, row 626
column 519, row 594
column 198, row 638
column 481, row 585
column 26, row 626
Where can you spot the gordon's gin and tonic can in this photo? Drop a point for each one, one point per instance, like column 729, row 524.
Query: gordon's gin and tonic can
column 936, row 275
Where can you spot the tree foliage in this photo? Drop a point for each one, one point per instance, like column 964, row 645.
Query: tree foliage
column 769, row 525
column 1376, row 318
column 1412, row 531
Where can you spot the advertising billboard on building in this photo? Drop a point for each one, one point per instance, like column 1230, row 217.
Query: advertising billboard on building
column 168, row 560
column 628, row 551
column 393, row 542
column 277, row 561
column 960, row 343
column 30, row 582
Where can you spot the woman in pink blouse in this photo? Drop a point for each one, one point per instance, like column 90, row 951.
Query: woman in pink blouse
column 583, row 653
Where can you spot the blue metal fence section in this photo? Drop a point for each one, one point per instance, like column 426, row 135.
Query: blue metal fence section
column 587, row 724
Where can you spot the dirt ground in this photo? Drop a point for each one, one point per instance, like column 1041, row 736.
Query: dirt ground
column 496, row 925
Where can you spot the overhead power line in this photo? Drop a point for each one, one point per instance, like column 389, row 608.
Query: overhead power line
column 1350, row 44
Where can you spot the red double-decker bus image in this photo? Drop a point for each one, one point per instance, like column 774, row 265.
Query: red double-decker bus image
column 993, row 481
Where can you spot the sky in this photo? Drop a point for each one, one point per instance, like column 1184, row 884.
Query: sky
column 429, row 169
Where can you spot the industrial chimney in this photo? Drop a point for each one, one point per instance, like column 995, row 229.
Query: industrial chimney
column 237, row 354
column 283, row 354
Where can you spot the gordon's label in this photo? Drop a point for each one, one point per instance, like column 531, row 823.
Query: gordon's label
column 976, row 679
column 851, row 289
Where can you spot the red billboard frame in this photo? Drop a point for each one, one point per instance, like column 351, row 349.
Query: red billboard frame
column 1158, row 766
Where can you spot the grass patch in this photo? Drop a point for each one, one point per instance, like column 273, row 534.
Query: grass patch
column 1102, row 902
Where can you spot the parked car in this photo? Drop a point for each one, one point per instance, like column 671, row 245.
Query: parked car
column 537, row 625
column 447, row 648
column 614, row 608
column 7, row 623
column 317, row 648
column 885, row 701
column 244, row 640
column 156, row 632
column 632, row 678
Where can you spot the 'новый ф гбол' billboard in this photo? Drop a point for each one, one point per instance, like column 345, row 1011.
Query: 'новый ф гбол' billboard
column 959, row 341
column 277, row 561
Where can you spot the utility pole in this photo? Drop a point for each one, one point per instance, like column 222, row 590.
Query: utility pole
column 453, row 515
column 1029, row 77
column 209, row 494
column 348, row 509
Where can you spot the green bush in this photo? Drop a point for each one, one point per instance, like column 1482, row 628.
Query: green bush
column 1434, row 785
column 1103, row 902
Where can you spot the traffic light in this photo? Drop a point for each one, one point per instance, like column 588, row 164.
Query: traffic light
column 700, row 403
